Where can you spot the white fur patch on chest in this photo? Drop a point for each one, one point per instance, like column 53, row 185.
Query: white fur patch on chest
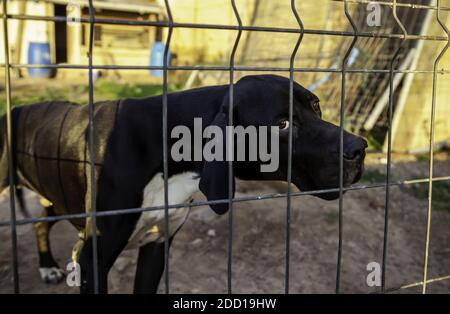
column 150, row 226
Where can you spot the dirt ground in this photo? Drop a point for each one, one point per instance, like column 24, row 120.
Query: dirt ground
column 198, row 262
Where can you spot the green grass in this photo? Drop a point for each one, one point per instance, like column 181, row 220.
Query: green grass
column 373, row 143
column 115, row 90
column 441, row 194
column 29, row 97
column 103, row 90
column 331, row 217
column 423, row 157
column 373, row 176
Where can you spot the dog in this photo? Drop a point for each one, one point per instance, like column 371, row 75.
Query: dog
column 51, row 157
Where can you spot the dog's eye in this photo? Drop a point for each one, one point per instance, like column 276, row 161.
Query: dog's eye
column 283, row 124
column 316, row 108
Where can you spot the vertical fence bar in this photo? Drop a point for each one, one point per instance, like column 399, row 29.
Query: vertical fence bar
column 431, row 154
column 93, row 204
column 165, row 148
column 9, row 147
column 289, row 172
column 389, row 145
column 92, row 215
column 230, row 152
column 341, row 143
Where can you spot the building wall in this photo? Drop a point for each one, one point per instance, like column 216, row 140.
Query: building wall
column 194, row 46
column 205, row 46
column 110, row 51
column 36, row 31
column 414, row 126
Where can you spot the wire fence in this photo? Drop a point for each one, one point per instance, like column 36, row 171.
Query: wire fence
column 170, row 24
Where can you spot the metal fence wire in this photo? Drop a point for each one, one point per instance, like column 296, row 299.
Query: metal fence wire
column 354, row 33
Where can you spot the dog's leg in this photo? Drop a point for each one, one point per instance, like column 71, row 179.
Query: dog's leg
column 150, row 267
column 111, row 240
column 86, row 262
column 48, row 268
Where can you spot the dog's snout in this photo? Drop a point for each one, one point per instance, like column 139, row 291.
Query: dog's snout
column 353, row 154
column 365, row 143
column 355, row 150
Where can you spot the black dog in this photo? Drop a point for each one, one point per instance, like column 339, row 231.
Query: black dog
column 51, row 158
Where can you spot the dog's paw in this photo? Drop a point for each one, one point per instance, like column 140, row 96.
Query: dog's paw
column 52, row 275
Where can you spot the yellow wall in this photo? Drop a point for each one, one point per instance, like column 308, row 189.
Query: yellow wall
column 38, row 31
column 194, row 46
column 206, row 46
column 414, row 127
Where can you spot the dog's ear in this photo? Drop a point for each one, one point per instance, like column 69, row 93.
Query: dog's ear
column 214, row 181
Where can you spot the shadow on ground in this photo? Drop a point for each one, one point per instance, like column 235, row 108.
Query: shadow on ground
column 198, row 262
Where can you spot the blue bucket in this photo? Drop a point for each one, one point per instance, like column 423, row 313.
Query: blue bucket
column 39, row 53
column 157, row 58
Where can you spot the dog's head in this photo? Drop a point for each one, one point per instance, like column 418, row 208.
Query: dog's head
column 263, row 100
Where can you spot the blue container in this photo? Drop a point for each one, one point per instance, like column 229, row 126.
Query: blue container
column 39, row 53
column 157, row 58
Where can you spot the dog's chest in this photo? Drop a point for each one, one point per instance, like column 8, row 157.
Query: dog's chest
column 150, row 226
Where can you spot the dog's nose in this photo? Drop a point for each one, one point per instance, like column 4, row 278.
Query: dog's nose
column 356, row 150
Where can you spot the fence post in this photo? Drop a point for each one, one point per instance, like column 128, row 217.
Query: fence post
column 431, row 154
column 341, row 143
column 9, row 147
column 389, row 145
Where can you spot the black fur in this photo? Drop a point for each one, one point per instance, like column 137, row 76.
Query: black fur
column 52, row 156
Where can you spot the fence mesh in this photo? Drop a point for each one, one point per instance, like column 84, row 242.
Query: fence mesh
column 387, row 58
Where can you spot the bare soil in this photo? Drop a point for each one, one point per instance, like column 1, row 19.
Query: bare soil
column 198, row 261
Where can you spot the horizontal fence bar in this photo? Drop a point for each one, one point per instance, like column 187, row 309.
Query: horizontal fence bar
column 215, row 68
column 240, row 28
column 418, row 284
column 235, row 200
column 228, row 27
column 391, row 4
